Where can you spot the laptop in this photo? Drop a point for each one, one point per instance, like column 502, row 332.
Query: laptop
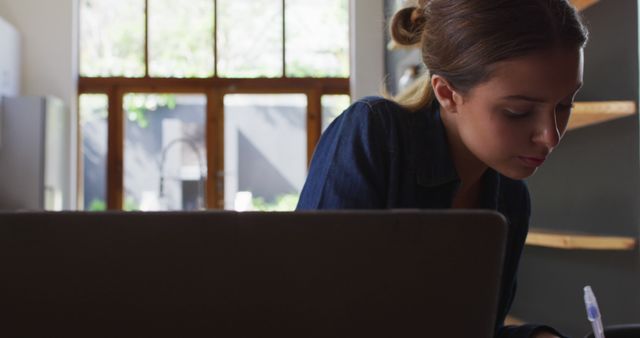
column 227, row 274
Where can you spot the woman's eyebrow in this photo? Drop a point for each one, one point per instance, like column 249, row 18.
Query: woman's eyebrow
column 524, row 98
column 535, row 99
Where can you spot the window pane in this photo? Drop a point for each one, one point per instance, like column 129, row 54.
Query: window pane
column 93, row 123
column 265, row 151
column 181, row 38
column 317, row 42
column 250, row 38
column 332, row 106
column 164, row 154
column 112, row 38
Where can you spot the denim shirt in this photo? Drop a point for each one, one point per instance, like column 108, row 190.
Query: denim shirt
column 378, row 155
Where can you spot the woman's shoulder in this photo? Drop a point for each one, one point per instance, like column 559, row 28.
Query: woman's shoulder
column 386, row 112
column 374, row 100
column 378, row 104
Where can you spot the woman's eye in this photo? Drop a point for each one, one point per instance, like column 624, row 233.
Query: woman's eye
column 515, row 113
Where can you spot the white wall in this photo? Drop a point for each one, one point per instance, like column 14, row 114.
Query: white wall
column 367, row 31
column 49, row 53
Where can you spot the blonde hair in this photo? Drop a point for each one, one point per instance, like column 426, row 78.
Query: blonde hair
column 417, row 95
column 461, row 39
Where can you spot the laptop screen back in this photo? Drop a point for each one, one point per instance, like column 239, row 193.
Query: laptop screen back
column 225, row 274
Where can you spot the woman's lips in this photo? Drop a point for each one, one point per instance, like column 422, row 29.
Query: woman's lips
column 533, row 162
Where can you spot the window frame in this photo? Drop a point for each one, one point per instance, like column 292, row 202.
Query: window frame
column 214, row 88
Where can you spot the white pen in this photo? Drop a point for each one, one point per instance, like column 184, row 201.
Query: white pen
column 593, row 312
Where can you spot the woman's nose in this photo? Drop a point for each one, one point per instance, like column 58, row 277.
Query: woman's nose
column 547, row 132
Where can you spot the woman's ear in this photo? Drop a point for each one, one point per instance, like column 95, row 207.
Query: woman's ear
column 448, row 98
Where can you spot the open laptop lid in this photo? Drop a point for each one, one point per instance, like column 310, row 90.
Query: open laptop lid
column 225, row 274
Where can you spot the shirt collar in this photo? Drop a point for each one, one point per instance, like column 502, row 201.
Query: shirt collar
column 434, row 166
column 490, row 197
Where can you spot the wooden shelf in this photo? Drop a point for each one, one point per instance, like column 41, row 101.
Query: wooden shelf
column 578, row 241
column 510, row 320
column 583, row 4
column 589, row 113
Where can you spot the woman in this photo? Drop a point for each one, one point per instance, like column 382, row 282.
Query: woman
column 502, row 78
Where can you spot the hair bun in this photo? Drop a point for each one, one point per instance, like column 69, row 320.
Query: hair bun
column 407, row 26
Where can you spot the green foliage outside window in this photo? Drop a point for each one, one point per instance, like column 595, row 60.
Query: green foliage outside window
column 181, row 41
column 286, row 202
column 112, row 38
column 100, row 205
column 138, row 105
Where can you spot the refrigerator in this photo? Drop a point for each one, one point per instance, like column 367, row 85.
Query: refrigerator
column 33, row 156
column 9, row 63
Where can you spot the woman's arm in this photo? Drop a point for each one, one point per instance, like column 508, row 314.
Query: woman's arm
column 520, row 209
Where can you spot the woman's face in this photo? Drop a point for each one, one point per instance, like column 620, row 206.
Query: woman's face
column 513, row 121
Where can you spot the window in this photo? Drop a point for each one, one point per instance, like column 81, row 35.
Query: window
column 265, row 150
column 112, row 38
column 93, row 125
column 185, row 104
column 180, row 38
column 164, row 152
